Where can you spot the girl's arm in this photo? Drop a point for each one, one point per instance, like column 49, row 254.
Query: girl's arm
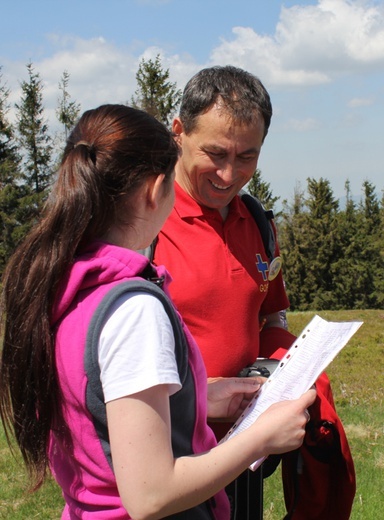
column 153, row 484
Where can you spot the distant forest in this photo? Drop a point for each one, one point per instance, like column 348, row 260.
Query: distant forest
column 333, row 256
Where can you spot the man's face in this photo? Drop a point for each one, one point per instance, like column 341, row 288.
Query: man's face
column 218, row 157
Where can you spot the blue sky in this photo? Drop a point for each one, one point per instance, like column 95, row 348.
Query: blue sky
column 322, row 62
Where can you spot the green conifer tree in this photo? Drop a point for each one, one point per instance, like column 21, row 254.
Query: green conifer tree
column 292, row 241
column 261, row 189
column 68, row 111
column 34, row 139
column 379, row 279
column 155, row 94
column 370, row 254
column 9, row 180
column 348, row 269
column 322, row 246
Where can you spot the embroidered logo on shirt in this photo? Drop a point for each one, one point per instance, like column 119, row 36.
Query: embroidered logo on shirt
column 262, row 267
column 274, row 268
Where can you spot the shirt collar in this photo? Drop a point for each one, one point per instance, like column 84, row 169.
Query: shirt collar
column 186, row 206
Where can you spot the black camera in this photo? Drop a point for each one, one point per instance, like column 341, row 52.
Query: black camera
column 263, row 367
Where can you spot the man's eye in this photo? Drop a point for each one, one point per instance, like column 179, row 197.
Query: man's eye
column 247, row 158
column 216, row 154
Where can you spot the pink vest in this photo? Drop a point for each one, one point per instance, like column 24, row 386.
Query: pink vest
column 82, row 465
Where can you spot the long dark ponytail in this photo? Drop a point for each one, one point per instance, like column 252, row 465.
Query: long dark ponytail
column 110, row 153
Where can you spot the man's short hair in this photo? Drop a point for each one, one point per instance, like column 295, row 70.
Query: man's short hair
column 242, row 94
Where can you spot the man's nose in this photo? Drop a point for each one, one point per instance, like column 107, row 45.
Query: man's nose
column 226, row 171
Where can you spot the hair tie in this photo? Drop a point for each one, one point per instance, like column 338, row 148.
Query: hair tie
column 82, row 143
column 90, row 149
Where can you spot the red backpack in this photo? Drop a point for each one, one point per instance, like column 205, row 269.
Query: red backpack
column 319, row 478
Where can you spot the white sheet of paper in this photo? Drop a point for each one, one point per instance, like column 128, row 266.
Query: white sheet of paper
column 308, row 357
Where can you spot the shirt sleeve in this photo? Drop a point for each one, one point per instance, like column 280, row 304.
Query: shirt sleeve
column 137, row 348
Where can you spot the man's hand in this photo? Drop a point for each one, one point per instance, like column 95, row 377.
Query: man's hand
column 273, row 320
column 228, row 397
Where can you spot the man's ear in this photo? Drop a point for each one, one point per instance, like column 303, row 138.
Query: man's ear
column 155, row 190
column 177, row 129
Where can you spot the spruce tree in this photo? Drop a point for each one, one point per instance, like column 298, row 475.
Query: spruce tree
column 379, row 278
column 34, row 139
column 292, row 241
column 261, row 189
column 68, row 111
column 308, row 241
column 155, row 93
column 348, row 269
column 9, row 180
column 36, row 151
column 322, row 246
column 370, row 254
column 371, row 208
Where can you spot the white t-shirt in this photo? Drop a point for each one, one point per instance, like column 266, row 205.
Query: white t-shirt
column 137, row 348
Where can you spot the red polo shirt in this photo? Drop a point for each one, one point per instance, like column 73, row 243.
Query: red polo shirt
column 220, row 280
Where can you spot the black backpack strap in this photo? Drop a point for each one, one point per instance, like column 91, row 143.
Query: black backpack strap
column 263, row 219
column 149, row 251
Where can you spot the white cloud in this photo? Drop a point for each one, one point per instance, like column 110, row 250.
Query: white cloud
column 302, row 125
column 99, row 72
column 311, row 44
column 360, row 102
column 264, row 55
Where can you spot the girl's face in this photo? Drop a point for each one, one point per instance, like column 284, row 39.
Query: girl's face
column 166, row 202
column 153, row 204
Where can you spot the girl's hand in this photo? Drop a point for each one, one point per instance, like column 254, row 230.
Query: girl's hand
column 283, row 424
column 228, row 397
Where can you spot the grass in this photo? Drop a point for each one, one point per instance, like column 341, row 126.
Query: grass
column 357, row 376
column 16, row 502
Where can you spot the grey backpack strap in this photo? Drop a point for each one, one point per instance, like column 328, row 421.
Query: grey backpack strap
column 183, row 403
column 95, row 395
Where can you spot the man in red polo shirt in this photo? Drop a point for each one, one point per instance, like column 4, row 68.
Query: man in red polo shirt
column 222, row 282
